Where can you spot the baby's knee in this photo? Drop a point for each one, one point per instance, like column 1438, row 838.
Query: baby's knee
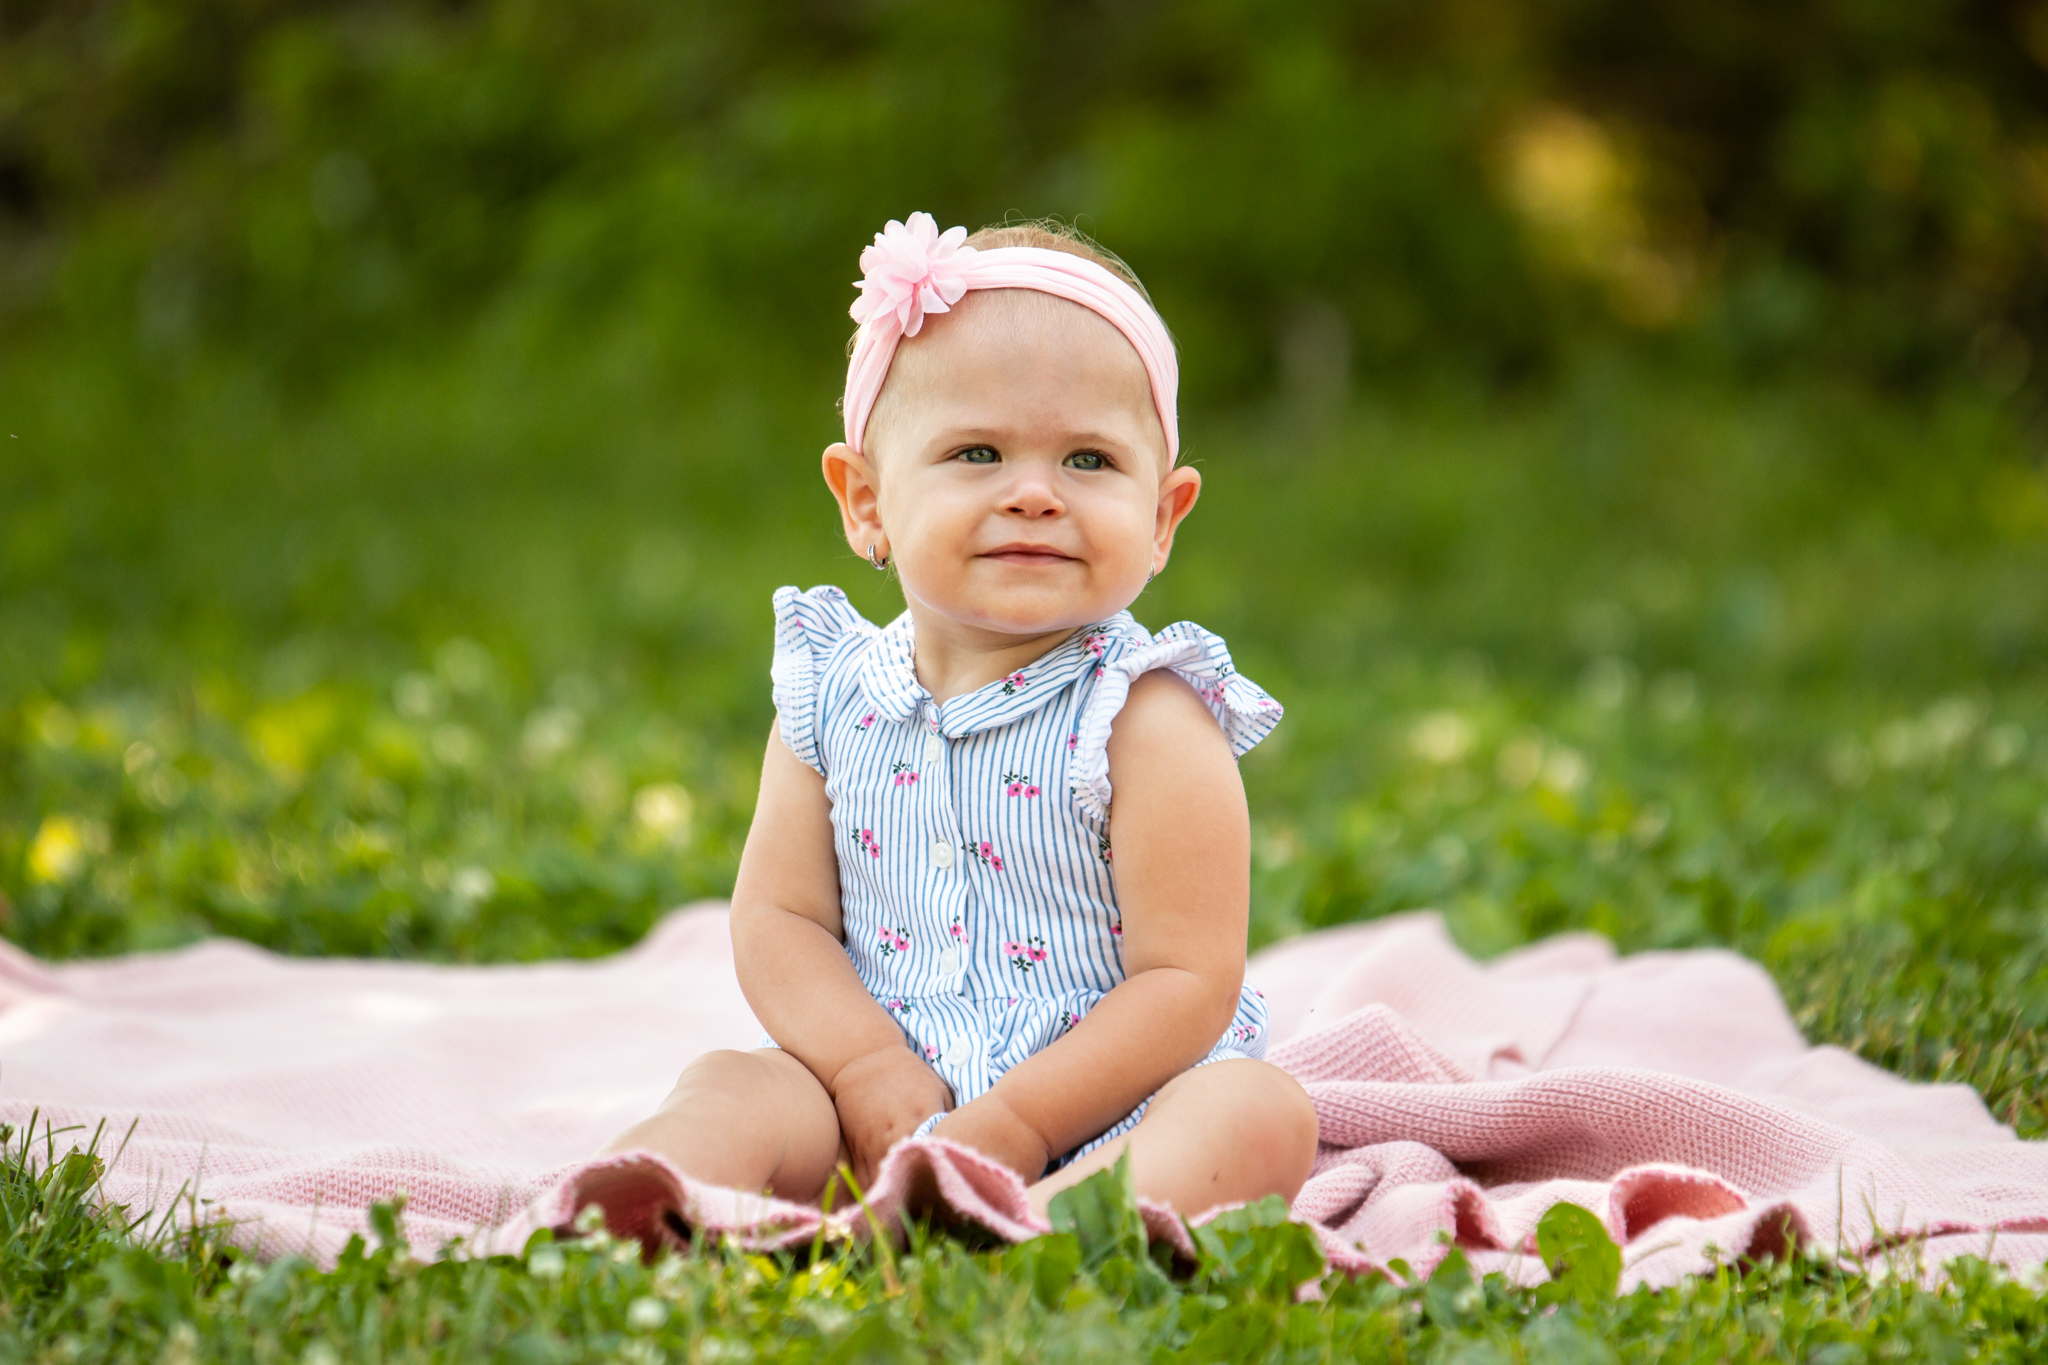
column 722, row 1072
column 1273, row 1118
column 1290, row 1116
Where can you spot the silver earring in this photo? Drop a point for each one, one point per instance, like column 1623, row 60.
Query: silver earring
column 881, row 562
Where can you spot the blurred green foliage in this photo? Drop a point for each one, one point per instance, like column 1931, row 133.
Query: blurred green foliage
column 1476, row 183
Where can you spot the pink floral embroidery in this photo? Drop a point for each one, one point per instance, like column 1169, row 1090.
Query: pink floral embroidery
column 905, row 777
column 896, row 1005
column 868, row 842
column 1013, row 683
column 1068, row 1020
column 931, row 1052
column 986, row 852
column 1117, row 929
column 1102, row 849
column 957, row 930
column 1244, row 1033
column 1073, row 742
column 1026, row 955
column 1018, row 784
column 1094, row 640
column 893, row 941
column 865, row 721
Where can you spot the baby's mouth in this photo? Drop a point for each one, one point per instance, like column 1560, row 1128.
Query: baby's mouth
column 1028, row 556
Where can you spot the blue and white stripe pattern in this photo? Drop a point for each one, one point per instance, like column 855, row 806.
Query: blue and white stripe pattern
column 973, row 838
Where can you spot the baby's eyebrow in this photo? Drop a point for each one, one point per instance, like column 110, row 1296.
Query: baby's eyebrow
column 1069, row 441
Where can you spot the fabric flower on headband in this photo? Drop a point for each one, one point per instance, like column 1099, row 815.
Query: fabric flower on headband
column 910, row 271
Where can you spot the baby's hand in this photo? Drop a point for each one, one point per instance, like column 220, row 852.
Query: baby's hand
column 990, row 1127
column 881, row 1097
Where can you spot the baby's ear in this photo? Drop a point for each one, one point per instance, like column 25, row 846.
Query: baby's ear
column 852, row 480
column 1178, row 492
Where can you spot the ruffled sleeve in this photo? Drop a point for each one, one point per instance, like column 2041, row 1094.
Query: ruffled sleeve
column 1243, row 708
column 809, row 626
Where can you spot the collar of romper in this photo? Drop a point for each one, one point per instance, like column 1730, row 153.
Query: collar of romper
column 888, row 675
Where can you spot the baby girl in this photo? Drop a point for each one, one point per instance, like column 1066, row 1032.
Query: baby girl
column 937, row 919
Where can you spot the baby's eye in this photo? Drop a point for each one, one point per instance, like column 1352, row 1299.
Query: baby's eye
column 1087, row 459
column 978, row 455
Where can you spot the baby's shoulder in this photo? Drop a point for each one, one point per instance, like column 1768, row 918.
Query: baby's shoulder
column 819, row 642
column 1161, row 705
column 820, row 639
column 819, row 621
column 1157, row 686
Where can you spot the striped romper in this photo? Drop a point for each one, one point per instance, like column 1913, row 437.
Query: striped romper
column 973, row 838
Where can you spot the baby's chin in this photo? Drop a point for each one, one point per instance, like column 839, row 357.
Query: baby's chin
column 1026, row 611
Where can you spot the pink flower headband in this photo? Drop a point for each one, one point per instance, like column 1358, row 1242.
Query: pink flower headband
column 915, row 270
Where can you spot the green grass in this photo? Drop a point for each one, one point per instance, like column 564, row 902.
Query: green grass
column 81, row 1285
column 466, row 660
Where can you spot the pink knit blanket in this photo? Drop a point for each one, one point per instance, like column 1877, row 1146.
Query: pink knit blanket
column 1670, row 1093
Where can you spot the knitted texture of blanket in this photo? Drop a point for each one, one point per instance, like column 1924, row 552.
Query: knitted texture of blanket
column 1670, row 1093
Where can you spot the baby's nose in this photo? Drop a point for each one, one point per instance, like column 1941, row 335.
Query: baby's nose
column 1034, row 497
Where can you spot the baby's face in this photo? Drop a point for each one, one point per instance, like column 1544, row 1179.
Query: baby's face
column 1020, row 476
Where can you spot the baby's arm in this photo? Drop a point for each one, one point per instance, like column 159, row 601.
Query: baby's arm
column 788, row 947
column 1183, row 877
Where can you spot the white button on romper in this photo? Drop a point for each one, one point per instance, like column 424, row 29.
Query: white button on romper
column 973, row 838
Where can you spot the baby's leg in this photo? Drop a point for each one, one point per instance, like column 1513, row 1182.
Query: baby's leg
column 749, row 1120
column 1225, row 1133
